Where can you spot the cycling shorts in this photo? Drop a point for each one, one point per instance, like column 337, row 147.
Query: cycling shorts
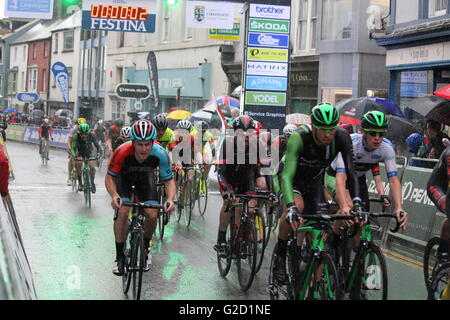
column 144, row 192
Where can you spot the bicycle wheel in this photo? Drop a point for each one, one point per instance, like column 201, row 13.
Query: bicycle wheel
column 203, row 197
column 73, row 178
column 260, row 222
column 224, row 262
column 371, row 281
column 267, row 213
column 139, row 256
column 279, row 291
column 323, row 282
column 276, row 214
column 246, row 254
column 128, row 266
column 440, row 282
column 180, row 202
column 430, row 260
column 87, row 189
column 189, row 197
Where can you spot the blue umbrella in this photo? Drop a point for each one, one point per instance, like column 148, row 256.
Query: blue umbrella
column 389, row 104
column 11, row 110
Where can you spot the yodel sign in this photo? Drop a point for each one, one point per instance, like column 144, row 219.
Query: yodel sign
column 132, row 90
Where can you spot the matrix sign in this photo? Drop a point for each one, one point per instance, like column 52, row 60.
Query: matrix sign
column 129, row 15
column 266, row 65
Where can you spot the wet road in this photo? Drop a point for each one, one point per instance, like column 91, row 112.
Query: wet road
column 71, row 248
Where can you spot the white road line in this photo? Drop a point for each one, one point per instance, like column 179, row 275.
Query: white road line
column 43, row 187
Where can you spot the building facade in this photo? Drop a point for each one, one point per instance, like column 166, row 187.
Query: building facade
column 417, row 42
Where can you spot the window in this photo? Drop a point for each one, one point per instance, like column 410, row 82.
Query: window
column 165, row 31
column 23, row 82
column 121, row 39
column 68, row 40
column 306, row 40
column 44, row 80
column 32, row 79
column 187, row 31
column 1, row 55
column 437, row 8
column 337, row 19
column 69, row 76
column 15, row 54
column 406, row 10
column 12, row 83
column 45, row 49
column 55, row 44
column 34, row 50
column 1, row 82
column 24, row 53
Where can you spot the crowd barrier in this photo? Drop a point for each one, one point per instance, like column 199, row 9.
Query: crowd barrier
column 30, row 134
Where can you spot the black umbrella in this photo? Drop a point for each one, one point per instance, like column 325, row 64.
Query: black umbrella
column 357, row 107
column 431, row 107
column 400, row 128
column 37, row 113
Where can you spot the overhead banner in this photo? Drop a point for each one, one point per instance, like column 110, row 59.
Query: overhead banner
column 37, row 9
column 62, row 80
column 227, row 34
column 208, row 14
column 266, row 63
column 123, row 15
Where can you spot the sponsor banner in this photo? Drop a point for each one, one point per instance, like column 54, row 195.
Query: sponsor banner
column 128, row 15
column 264, row 54
column 265, row 98
column 413, row 90
column 29, row 9
column 15, row 132
column 270, row 11
column 29, row 97
column 267, row 69
column 268, row 40
column 207, row 14
column 152, row 67
column 266, row 83
column 62, row 80
column 268, row 116
column 60, row 137
column 227, row 34
column 263, row 25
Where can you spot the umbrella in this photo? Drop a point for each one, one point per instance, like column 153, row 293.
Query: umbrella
column 37, row 113
column 353, row 109
column 393, row 107
column 443, row 92
column 237, row 92
column 11, row 110
column 400, row 128
column 143, row 115
column 298, row 118
column 226, row 111
column 178, row 115
column 431, row 107
column 64, row 113
column 225, row 103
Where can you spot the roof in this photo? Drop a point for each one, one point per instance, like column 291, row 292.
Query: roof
column 25, row 26
column 70, row 22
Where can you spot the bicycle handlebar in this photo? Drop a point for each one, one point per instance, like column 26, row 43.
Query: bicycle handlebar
column 365, row 215
column 141, row 205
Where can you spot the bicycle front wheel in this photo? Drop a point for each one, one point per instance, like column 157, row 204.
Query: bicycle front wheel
column 189, row 203
column 139, row 258
column 202, row 196
column 430, row 260
column 371, row 281
column 246, row 254
column 128, row 267
column 87, row 189
column 279, row 291
column 224, row 261
column 260, row 237
column 180, row 202
column 440, row 282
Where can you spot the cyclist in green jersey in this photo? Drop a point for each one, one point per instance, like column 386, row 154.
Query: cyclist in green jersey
column 164, row 135
column 206, row 138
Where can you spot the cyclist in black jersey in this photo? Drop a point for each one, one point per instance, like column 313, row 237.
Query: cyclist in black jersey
column 309, row 152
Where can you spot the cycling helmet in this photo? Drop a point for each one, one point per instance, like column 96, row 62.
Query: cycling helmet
column 143, row 130
column 125, row 132
column 374, row 121
column 81, row 120
column 83, row 128
column 118, row 122
column 184, row 124
column 100, row 122
column 46, row 121
column 414, row 141
column 160, row 122
column 202, row 125
column 325, row 115
column 289, row 129
column 244, row 123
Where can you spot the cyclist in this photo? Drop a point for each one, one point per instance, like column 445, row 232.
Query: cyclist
column 369, row 149
column 309, row 152
column 238, row 173
column 114, row 133
column 439, row 192
column 100, row 132
column 82, row 148
column 164, row 135
column 125, row 136
column 45, row 132
column 206, row 137
column 132, row 164
column 72, row 131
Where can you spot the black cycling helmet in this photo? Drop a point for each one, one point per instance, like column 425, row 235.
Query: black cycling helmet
column 160, row 122
column 118, row 122
column 244, row 123
column 325, row 116
column 374, row 121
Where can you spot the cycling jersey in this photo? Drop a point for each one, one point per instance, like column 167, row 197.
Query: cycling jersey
column 167, row 140
column 4, row 173
column 181, row 145
column 100, row 133
column 129, row 172
column 438, row 184
column 119, row 141
column 73, row 130
column 83, row 147
column 306, row 161
column 45, row 132
column 114, row 133
column 366, row 159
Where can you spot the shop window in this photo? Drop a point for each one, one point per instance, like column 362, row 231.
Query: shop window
column 437, row 8
column 406, row 10
column 337, row 19
column 334, row 96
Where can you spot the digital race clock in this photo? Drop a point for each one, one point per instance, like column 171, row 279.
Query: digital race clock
column 118, row 12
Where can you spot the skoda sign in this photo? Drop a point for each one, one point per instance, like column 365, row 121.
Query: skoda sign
column 132, row 91
column 29, row 97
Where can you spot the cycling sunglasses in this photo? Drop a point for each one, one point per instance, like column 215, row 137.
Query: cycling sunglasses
column 376, row 133
column 326, row 129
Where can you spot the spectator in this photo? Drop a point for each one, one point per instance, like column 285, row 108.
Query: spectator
column 4, row 173
column 432, row 145
column 414, row 141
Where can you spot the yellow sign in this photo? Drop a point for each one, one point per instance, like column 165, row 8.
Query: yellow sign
column 227, row 34
column 263, row 54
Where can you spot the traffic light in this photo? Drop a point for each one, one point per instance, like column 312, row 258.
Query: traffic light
column 171, row 3
column 69, row 5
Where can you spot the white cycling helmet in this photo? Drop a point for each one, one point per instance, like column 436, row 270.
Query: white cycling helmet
column 184, row 124
column 289, row 129
column 125, row 132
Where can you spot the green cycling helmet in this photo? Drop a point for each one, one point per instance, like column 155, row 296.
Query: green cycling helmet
column 374, row 121
column 325, row 116
column 83, row 128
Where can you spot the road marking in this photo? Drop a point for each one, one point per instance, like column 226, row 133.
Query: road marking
column 43, row 187
column 403, row 259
